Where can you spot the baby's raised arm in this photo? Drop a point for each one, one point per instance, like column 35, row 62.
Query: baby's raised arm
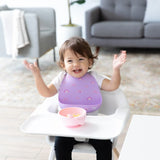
column 118, row 61
column 43, row 89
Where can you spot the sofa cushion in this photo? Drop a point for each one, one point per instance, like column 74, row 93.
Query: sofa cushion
column 117, row 29
column 152, row 30
column 152, row 13
column 123, row 10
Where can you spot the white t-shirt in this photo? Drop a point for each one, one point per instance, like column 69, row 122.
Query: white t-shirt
column 58, row 79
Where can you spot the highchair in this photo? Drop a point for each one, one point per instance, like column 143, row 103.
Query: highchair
column 114, row 103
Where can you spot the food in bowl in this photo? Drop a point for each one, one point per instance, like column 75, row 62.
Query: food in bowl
column 73, row 116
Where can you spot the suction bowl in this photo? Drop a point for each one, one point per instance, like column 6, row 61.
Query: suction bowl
column 73, row 116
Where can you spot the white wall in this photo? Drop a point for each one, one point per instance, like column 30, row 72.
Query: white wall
column 77, row 11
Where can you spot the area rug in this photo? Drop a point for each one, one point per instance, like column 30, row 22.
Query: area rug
column 140, row 79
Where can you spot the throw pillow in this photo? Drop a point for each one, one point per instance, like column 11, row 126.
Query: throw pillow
column 3, row 7
column 152, row 13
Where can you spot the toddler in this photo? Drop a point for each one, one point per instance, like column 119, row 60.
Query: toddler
column 76, row 60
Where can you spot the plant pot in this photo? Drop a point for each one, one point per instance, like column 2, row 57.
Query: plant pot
column 67, row 32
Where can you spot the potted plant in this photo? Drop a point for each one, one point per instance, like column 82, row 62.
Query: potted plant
column 69, row 10
column 70, row 29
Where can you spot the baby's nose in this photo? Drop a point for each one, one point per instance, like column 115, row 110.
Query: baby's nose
column 76, row 64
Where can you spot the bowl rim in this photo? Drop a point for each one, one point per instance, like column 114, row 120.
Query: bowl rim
column 73, row 107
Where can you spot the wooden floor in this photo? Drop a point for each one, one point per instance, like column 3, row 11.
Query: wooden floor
column 15, row 145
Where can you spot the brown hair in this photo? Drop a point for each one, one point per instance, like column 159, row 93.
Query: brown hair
column 78, row 46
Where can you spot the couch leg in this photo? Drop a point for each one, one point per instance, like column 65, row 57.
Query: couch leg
column 54, row 55
column 97, row 50
column 37, row 61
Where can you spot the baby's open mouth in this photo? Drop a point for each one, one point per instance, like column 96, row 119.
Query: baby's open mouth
column 77, row 70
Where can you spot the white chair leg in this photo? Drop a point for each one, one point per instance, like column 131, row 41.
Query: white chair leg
column 51, row 154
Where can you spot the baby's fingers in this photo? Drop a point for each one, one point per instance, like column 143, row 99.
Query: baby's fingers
column 27, row 65
column 35, row 64
column 115, row 56
column 31, row 66
column 123, row 51
column 123, row 55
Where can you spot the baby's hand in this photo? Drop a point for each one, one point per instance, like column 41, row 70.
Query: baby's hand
column 118, row 61
column 32, row 67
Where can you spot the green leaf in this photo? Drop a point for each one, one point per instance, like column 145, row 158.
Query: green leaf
column 78, row 2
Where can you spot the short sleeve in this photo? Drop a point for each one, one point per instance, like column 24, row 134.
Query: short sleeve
column 58, row 80
column 99, row 78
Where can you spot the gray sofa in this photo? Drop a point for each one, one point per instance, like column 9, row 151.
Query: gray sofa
column 119, row 23
column 41, row 29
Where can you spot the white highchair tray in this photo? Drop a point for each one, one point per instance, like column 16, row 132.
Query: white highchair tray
column 43, row 121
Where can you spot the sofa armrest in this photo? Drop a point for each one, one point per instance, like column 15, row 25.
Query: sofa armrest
column 42, row 13
column 91, row 16
column 32, row 26
column 32, row 23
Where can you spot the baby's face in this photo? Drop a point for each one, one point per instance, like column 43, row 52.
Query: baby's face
column 75, row 65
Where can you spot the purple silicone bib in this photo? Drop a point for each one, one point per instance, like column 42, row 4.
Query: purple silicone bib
column 80, row 92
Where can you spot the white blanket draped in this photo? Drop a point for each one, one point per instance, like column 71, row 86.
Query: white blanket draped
column 14, row 29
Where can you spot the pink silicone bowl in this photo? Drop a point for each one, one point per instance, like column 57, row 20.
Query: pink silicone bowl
column 73, row 116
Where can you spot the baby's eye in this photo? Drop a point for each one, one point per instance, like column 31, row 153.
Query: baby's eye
column 69, row 61
column 81, row 59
